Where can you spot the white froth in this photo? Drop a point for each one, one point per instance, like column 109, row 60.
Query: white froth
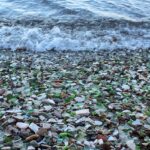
column 37, row 39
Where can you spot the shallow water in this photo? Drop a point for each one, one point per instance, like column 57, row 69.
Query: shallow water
column 74, row 25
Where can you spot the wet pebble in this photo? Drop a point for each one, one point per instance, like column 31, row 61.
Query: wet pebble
column 131, row 144
column 125, row 87
column 147, row 127
column 42, row 132
column 83, row 112
column 34, row 143
column 6, row 148
column 18, row 117
column 30, row 148
column 49, row 101
column 111, row 138
column 58, row 114
column 32, row 137
column 2, row 91
column 22, row 125
column 148, row 120
column 98, row 123
column 137, row 122
column 46, row 125
column 34, row 127
column 80, row 99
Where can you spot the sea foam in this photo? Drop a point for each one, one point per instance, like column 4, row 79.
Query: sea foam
column 38, row 39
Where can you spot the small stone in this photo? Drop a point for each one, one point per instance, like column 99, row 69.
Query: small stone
column 140, row 115
column 34, row 96
column 34, row 127
column 42, row 118
column 37, row 103
column 31, row 148
column 80, row 120
column 98, row 123
column 11, row 120
column 83, row 112
column 14, row 78
column 42, row 132
column 89, row 120
column 70, row 129
column 19, row 117
column 100, row 142
column 58, row 114
column 116, row 132
column 131, row 144
column 13, row 64
column 137, row 122
column 13, row 111
column 147, row 127
column 42, row 96
column 49, row 133
column 111, row 138
column 34, row 143
column 46, row 125
column 49, row 101
column 96, row 141
column 145, row 144
column 58, row 100
column 125, row 87
column 114, row 106
column 118, row 90
column 87, row 143
column 52, row 120
column 94, row 101
column 126, row 111
column 25, row 133
column 1, row 99
column 47, row 108
column 22, row 125
column 32, row 137
column 122, row 135
column 6, row 148
column 80, row 99
column 2, row 91
column 148, row 120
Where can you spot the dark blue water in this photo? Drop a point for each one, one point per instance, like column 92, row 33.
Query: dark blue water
column 74, row 24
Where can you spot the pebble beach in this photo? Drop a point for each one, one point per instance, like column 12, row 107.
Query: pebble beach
column 75, row 100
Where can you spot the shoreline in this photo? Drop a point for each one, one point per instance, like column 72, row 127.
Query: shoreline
column 103, row 54
column 75, row 100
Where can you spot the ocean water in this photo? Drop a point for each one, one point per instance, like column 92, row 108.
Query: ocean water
column 41, row 25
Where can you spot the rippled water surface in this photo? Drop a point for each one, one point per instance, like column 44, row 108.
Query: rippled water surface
column 74, row 24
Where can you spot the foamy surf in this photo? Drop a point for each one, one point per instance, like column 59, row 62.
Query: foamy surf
column 38, row 39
